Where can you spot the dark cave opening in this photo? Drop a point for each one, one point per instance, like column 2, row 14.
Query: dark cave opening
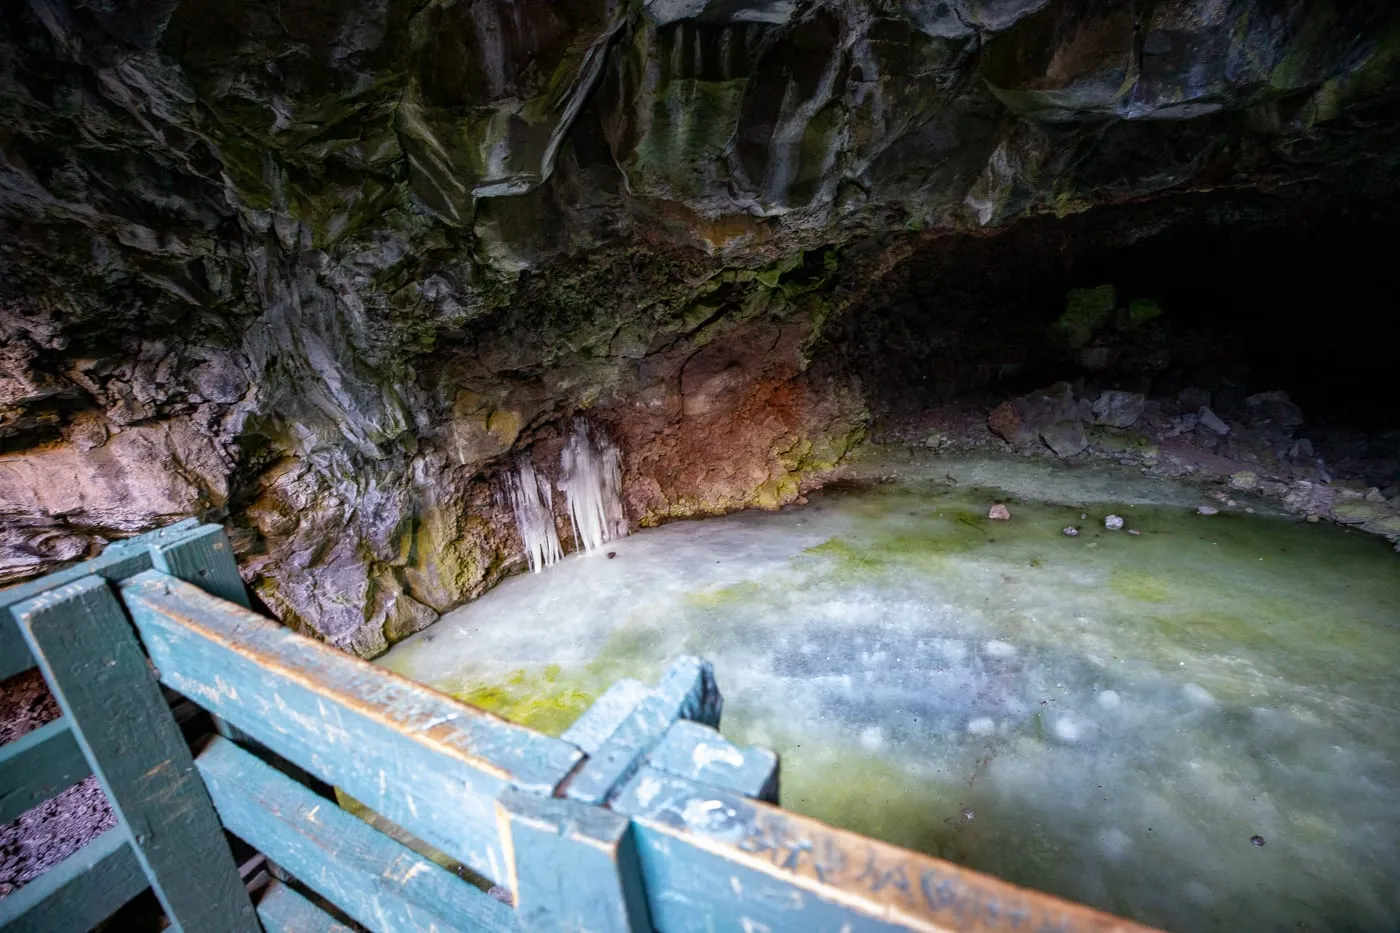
column 1239, row 295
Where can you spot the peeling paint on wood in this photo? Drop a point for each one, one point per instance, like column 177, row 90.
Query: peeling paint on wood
column 574, row 866
column 699, row 753
column 375, row 880
column 92, row 662
column 424, row 761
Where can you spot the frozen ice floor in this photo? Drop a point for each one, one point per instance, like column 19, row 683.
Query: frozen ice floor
column 1112, row 718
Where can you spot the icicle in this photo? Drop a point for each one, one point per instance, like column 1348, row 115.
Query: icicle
column 591, row 478
column 533, row 503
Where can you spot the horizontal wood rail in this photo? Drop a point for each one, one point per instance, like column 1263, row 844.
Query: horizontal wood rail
column 37, row 766
column 640, row 818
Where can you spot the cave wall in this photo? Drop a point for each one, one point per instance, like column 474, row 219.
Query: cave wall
column 320, row 270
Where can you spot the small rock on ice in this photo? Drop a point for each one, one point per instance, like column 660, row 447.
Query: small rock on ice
column 1070, row 532
column 1113, row 522
column 999, row 513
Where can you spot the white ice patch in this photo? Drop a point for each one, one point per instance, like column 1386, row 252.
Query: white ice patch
column 1198, row 695
column 983, row 725
column 872, row 738
column 1110, row 699
column 1067, row 729
column 1199, row 893
column 1000, row 649
column 1113, row 843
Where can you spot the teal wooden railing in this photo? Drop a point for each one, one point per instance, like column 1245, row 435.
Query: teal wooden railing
column 640, row 818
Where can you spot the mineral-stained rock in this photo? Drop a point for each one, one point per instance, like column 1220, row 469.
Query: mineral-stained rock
column 1005, row 422
column 1359, row 511
column 1086, row 310
column 323, row 270
column 1244, row 480
column 1022, row 421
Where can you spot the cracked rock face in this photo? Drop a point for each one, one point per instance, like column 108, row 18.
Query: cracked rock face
column 321, row 270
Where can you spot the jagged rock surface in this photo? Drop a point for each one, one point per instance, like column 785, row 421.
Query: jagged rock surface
column 320, row 269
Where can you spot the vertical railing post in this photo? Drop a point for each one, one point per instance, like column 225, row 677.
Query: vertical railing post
column 204, row 558
column 574, row 866
column 85, row 647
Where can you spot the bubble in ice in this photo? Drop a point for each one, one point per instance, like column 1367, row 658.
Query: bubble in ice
column 1000, row 649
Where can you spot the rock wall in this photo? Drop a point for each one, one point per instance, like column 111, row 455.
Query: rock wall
column 321, row 269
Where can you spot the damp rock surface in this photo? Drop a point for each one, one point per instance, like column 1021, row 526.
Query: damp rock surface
column 1124, row 715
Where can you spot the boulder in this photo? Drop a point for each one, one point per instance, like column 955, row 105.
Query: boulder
column 1212, row 421
column 1065, row 438
column 1273, row 408
column 1022, row 420
column 1118, row 409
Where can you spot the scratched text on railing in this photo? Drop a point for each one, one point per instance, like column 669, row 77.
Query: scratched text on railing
column 831, row 859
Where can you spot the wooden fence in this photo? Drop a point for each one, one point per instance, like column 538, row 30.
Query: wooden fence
column 641, row 817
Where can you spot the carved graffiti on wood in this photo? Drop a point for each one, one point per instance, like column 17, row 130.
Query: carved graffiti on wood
column 804, row 849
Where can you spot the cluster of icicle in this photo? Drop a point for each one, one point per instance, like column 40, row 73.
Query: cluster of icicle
column 590, row 476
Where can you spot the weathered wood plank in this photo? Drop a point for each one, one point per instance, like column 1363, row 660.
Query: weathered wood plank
column 574, row 867
column 93, row 664
column 686, row 691
column 120, row 559
column 80, row 891
column 714, row 860
column 375, row 880
column 205, row 558
column 601, row 720
column 36, row 766
column 699, row 753
column 420, row 759
column 283, row 910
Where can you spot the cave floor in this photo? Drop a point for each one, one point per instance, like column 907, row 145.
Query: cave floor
column 1119, row 719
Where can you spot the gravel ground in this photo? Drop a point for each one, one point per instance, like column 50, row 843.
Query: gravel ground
column 57, row 828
